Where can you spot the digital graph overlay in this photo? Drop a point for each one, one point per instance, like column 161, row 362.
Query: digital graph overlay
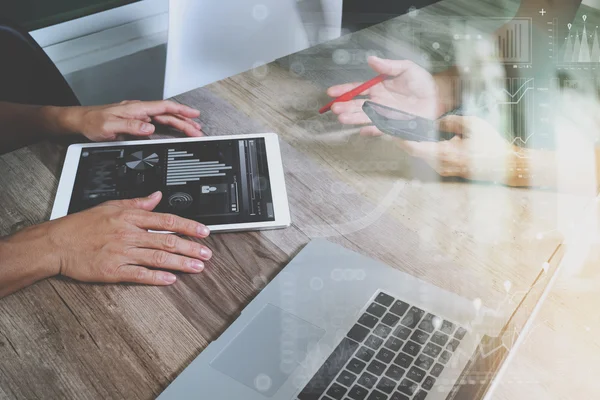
column 182, row 168
column 580, row 47
column 512, row 43
column 439, row 39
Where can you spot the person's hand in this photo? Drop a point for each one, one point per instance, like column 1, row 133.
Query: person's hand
column 111, row 243
column 477, row 152
column 412, row 89
column 102, row 123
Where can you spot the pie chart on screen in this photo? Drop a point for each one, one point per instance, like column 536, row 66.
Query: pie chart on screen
column 141, row 160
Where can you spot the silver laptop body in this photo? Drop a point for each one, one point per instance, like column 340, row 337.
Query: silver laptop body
column 324, row 328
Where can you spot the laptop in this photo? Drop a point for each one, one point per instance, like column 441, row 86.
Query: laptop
column 336, row 325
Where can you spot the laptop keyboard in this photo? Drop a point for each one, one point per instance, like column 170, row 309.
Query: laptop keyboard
column 395, row 351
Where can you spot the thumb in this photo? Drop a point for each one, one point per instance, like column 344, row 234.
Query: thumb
column 130, row 126
column 389, row 67
column 143, row 203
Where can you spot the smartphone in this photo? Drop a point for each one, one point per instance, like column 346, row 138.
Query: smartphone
column 404, row 125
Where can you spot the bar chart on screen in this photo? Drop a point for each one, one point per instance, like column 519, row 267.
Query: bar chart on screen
column 512, row 42
column 184, row 167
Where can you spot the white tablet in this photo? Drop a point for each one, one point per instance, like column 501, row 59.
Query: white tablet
column 228, row 183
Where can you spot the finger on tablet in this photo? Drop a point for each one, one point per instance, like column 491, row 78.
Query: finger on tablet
column 169, row 223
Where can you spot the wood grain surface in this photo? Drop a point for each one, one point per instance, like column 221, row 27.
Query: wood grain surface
column 63, row 339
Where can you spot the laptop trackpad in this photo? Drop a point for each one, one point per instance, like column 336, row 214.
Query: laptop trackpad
column 266, row 352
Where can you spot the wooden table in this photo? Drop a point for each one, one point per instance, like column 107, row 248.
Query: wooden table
column 64, row 339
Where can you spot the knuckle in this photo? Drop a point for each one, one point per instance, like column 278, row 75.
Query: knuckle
column 126, row 216
column 160, row 258
column 141, row 274
column 170, row 242
column 168, row 221
column 105, row 127
column 124, row 235
column 154, row 277
column 133, row 124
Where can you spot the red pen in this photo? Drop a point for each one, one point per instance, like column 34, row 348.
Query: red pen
column 355, row 92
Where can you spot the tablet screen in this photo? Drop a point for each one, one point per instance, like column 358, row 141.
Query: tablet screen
column 214, row 182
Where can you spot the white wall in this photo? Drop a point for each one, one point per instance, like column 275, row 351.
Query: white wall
column 213, row 39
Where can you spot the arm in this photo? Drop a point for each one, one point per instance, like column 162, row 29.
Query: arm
column 110, row 243
column 24, row 124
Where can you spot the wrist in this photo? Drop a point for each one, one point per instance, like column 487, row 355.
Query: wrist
column 61, row 120
column 26, row 258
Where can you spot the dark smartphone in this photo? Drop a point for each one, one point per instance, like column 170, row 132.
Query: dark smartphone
column 404, row 125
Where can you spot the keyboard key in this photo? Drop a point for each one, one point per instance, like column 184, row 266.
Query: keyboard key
column 407, row 387
column 393, row 343
column 346, row 378
column 373, row 342
column 337, row 391
column 368, row 320
column 377, row 395
column 424, row 362
column 427, row 323
column 386, row 385
column 376, row 368
column 421, row 395
column 385, row 355
column 428, row 383
column 367, row 380
column 403, row 360
column 412, row 317
column 356, row 366
column 439, row 338
column 445, row 357
column 412, row 348
column 432, row 350
column 399, row 396
column 460, row 333
column 416, row 374
column 358, row 333
column 395, row 372
column 358, row 393
column 390, row 319
column 447, row 327
column 437, row 370
column 419, row 336
column 382, row 331
column 402, row 332
column 399, row 308
column 326, row 398
column 364, row 354
column 384, row 299
column 453, row 345
column 329, row 370
column 376, row 309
